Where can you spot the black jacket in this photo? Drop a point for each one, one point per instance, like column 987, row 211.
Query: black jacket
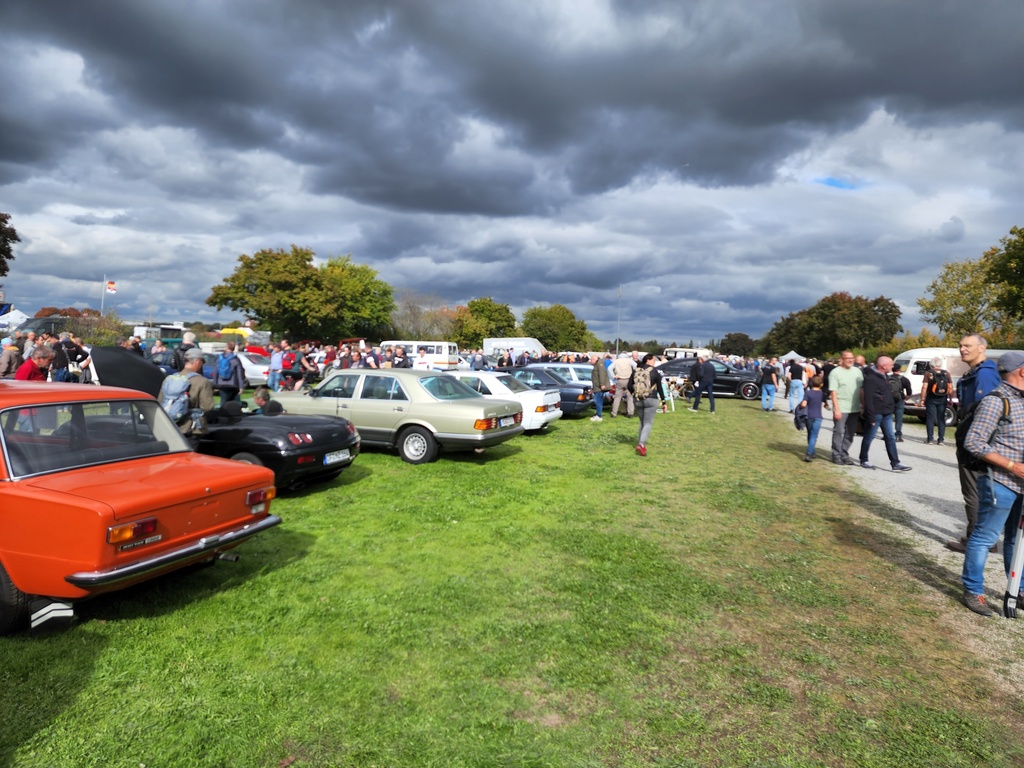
column 878, row 399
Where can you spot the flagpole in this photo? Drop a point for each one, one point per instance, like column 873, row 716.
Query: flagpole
column 103, row 293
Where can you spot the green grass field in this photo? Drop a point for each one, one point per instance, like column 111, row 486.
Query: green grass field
column 557, row 601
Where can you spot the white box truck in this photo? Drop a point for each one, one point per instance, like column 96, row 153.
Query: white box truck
column 517, row 344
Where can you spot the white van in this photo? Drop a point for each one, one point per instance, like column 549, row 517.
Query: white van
column 517, row 344
column 441, row 354
column 673, row 352
column 916, row 361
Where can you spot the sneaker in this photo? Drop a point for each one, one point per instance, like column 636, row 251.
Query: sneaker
column 596, row 418
column 901, row 468
column 899, row 439
column 641, row 450
column 977, row 604
column 928, row 442
column 941, row 442
column 808, row 459
column 848, row 461
column 866, row 465
column 693, row 409
column 957, row 546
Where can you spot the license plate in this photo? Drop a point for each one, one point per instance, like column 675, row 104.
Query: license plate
column 508, row 421
column 335, row 456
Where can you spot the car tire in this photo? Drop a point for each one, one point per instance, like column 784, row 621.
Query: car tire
column 749, row 390
column 417, row 446
column 951, row 416
column 13, row 604
column 247, row 458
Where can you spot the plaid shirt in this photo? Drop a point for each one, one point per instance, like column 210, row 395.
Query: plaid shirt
column 1008, row 440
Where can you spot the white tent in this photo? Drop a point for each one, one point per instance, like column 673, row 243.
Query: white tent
column 13, row 319
column 791, row 355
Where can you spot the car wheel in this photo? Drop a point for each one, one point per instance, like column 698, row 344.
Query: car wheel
column 247, row 458
column 749, row 390
column 951, row 416
column 13, row 604
column 417, row 446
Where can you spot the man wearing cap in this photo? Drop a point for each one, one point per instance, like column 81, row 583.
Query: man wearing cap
column 1000, row 489
column 10, row 358
column 200, row 391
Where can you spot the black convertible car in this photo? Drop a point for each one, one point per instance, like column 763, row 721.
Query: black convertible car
column 298, row 449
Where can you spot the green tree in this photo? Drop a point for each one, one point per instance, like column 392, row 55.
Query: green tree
column 1005, row 267
column 836, row 322
column 421, row 316
column 287, row 294
column 496, row 319
column 8, row 237
column 961, row 300
column 556, row 327
column 737, row 344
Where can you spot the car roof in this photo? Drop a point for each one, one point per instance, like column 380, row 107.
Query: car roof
column 16, row 392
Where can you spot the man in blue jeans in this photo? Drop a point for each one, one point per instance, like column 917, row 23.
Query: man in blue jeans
column 1000, row 491
column 878, row 406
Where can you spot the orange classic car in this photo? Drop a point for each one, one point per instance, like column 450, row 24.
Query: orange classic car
column 85, row 509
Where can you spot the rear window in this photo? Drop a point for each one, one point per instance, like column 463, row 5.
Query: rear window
column 52, row 438
column 447, row 388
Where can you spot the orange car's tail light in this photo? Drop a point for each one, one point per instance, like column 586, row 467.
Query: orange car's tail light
column 263, row 495
column 119, row 534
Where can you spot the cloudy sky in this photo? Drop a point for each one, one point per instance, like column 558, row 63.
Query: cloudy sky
column 724, row 162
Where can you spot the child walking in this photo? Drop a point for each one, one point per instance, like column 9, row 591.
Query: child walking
column 812, row 401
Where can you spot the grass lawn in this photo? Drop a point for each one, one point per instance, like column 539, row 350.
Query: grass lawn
column 557, row 601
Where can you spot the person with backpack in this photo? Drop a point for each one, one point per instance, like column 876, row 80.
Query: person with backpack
column 646, row 388
column 996, row 436
column 936, row 387
column 187, row 396
column 901, row 390
column 229, row 375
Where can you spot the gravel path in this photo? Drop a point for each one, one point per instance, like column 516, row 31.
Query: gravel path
column 928, row 496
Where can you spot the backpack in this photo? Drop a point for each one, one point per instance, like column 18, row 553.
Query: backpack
column 964, row 457
column 174, row 395
column 224, row 368
column 896, row 386
column 940, row 383
column 642, row 388
column 288, row 360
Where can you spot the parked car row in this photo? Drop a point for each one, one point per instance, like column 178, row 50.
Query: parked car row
column 123, row 497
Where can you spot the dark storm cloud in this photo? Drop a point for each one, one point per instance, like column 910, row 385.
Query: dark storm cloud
column 727, row 161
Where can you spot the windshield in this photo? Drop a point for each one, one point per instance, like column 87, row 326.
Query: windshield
column 447, row 388
column 51, row 438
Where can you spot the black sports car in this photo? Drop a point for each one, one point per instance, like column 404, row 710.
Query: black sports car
column 299, row 449
column 729, row 381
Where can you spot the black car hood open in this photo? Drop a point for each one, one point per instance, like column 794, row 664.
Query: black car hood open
column 120, row 367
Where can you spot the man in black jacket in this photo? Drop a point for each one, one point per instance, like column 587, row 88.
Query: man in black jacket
column 901, row 390
column 878, row 406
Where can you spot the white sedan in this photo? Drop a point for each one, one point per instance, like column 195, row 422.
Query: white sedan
column 540, row 406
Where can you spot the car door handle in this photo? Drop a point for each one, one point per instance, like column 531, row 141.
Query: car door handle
column 398, row 408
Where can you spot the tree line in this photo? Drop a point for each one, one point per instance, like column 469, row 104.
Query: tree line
column 285, row 292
